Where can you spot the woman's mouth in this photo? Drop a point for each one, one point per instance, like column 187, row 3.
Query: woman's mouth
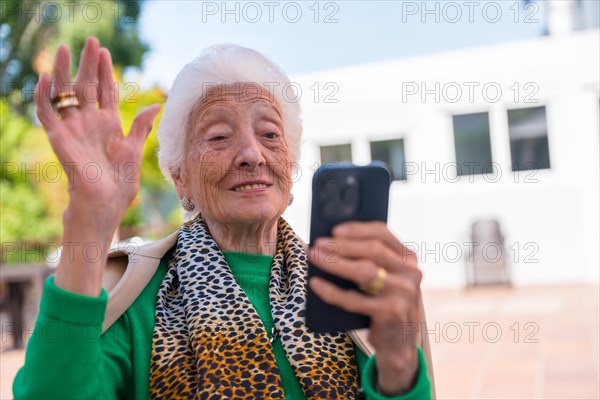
column 250, row 186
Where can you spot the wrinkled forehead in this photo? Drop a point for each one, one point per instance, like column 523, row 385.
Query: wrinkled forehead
column 232, row 95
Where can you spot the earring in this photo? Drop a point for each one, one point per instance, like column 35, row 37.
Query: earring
column 187, row 204
column 291, row 199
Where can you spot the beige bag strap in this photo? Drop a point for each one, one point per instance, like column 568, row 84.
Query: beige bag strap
column 128, row 271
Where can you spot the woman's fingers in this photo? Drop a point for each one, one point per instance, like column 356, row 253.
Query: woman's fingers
column 374, row 238
column 107, row 94
column 85, row 84
column 348, row 300
column 360, row 271
column 87, row 74
column 357, row 254
column 363, row 271
column 44, row 110
column 392, row 308
column 371, row 249
column 370, row 230
column 61, row 77
column 142, row 124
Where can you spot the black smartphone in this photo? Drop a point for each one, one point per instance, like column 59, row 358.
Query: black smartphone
column 342, row 192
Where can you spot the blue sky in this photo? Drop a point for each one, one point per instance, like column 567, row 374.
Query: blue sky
column 305, row 36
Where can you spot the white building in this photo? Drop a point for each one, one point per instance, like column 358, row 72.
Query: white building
column 549, row 215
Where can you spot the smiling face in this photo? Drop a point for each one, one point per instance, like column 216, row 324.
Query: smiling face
column 236, row 165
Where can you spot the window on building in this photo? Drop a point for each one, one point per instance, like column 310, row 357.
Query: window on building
column 528, row 138
column 337, row 153
column 392, row 153
column 472, row 144
column 586, row 14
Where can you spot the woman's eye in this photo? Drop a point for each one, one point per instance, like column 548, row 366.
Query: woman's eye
column 271, row 135
column 217, row 138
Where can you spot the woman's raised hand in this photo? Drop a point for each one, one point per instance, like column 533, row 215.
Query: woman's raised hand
column 103, row 166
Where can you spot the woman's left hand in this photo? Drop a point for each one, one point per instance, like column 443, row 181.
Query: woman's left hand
column 355, row 252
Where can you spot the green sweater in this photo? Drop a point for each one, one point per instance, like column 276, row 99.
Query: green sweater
column 68, row 357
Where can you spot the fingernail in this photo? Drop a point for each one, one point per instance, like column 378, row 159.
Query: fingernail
column 316, row 283
column 340, row 230
column 322, row 242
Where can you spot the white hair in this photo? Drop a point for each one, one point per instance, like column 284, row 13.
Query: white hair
column 218, row 65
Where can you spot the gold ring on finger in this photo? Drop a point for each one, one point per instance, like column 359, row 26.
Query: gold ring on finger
column 373, row 288
column 65, row 100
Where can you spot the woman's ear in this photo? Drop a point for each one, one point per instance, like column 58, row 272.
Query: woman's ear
column 180, row 186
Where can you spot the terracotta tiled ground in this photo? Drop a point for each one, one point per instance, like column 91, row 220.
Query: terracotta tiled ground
column 495, row 343
column 525, row 343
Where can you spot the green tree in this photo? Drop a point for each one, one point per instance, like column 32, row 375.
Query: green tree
column 33, row 187
column 32, row 195
column 146, row 209
column 31, row 30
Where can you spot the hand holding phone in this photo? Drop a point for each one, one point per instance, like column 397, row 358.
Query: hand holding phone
column 342, row 192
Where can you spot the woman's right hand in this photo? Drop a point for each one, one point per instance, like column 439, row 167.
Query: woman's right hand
column 102, row 165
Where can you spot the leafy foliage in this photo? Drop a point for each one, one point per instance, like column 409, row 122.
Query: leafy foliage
column 31, row 30
column 33, row 186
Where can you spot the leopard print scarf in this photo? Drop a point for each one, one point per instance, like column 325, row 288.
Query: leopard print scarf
column 210, row 343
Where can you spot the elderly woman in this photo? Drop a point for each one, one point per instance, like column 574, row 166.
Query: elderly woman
column 215, row 310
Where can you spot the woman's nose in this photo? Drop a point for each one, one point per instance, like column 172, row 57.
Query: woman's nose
column 249, row 150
